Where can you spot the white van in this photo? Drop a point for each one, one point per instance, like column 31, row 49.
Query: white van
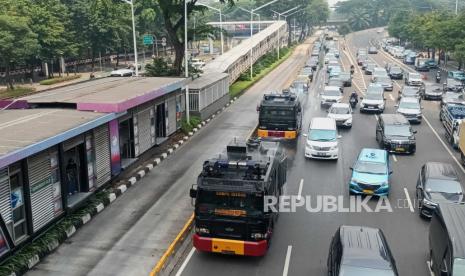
column 322, row 139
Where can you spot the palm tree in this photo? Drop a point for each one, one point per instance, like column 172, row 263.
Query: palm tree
column 359, row 19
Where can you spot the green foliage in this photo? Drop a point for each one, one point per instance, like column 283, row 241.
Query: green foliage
column 158, row 68
column 188, row 127
column 17, row 91
column 58, row 80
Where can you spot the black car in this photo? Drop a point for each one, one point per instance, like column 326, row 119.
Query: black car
column 394, row 134
column 447, row 240
column 432, row 92
column 422, row 67
column 437, row 182
column 360, row 251
column 396, row 73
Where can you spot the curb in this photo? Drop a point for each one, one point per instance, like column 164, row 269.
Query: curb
column 110, row 195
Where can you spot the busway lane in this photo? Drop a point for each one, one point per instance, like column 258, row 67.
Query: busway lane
column 273, row 263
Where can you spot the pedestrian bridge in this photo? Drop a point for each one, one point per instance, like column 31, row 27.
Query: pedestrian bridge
column 237, row 60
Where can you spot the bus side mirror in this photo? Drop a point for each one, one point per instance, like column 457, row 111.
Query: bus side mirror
column 193, row 191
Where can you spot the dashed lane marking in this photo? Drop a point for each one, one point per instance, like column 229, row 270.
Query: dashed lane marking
column 288, row 259
column 186, row 261
column 409, row 201
column 394, row 157
column 299, row 194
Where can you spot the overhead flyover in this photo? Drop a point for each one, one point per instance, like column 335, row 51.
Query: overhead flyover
column 237, row 60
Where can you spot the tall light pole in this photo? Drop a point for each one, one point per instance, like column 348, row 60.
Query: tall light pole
column 221, row 23
column 186, row 62
column 130, row 2
column 456, row 7
column 252, row 11
column 279, row 19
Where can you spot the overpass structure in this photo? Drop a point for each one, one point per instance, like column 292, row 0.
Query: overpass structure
column 237, row 60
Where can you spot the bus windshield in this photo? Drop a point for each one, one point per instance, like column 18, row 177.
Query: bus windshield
column 237, row 204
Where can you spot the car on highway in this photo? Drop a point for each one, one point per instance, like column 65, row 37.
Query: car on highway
column 335, row 51
column 197, row 63
column 361, row 58
column 458, row 75
column 421, row 66
column 379, row 72
column 409, row 92
column 361, row 51
column 394, row 134
column 383, row 81
column 342, row 114
column 360, row 251
column 437, row 182
column 431, row 63
column 346, row 78
column 373, row 102
column 329, row 56
column 313, row 63
column 410, row 58
column 330, row 95
column 336, row 82
column 315, row 52
column 124, row 72
column 447, row 241
column 413, row 79
column 371, row 173
column 374, row 88
column 370, row 67
column 372, row 50
column 307, row 71
column 432, row 92
column 453, row 85
column 322, row 139
column 452, row 97
column 334, row 70
column 395, row 72
column 411, row 109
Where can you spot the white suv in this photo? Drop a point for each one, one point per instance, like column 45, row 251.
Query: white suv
column 322, row 139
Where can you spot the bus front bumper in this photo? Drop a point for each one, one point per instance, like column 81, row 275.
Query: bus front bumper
column 283, row 134
column 230, row 247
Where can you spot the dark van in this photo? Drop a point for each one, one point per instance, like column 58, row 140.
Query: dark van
column 360, row 251
column 447, row 240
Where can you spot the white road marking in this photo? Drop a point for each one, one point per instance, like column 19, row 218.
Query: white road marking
column 392, row 97
column 394, row 157
column 409, row 201
column 376, row 117
column 299, row 194
column 184, row 264
column 444, row 144
column 288, row 258
column 428, row 264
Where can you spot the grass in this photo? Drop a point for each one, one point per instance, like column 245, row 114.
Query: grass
column 59, row 79
column 240, row 86
column 14, row 93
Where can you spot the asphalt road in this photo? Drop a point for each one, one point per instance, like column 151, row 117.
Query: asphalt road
column 130, row 236
column 301, row 240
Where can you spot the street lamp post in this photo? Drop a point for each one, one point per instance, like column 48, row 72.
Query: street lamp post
column 130, row 2
column 221, row 23
column 279, row 19
column 252, row 11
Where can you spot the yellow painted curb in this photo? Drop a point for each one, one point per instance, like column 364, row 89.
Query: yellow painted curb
column 179, row 238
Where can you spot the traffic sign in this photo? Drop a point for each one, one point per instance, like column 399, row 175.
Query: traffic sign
column 148, row 39
column 163, row 41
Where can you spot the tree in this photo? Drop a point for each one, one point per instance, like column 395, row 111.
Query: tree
column 359, row 19
column 17, row 43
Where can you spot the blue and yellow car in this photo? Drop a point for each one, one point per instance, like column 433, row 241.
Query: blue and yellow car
column 371, row 173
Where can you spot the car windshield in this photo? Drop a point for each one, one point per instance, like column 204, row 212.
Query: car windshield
column 396, row 70
column 339, row 110
column 370, row 167
column 375, row 89
column 347, row 270
column 414, row 76
column 397, row 130
column 459, row 267
column 383, row 79
column 374, row 96
column 409, row 105
column 216, row 202
column 344, row 75
column 443, row 186
column 458, row 74
column 332, row 93
column 322, row 135
column 453, row 95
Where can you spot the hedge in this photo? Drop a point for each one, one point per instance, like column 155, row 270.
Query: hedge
column 58, row 80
